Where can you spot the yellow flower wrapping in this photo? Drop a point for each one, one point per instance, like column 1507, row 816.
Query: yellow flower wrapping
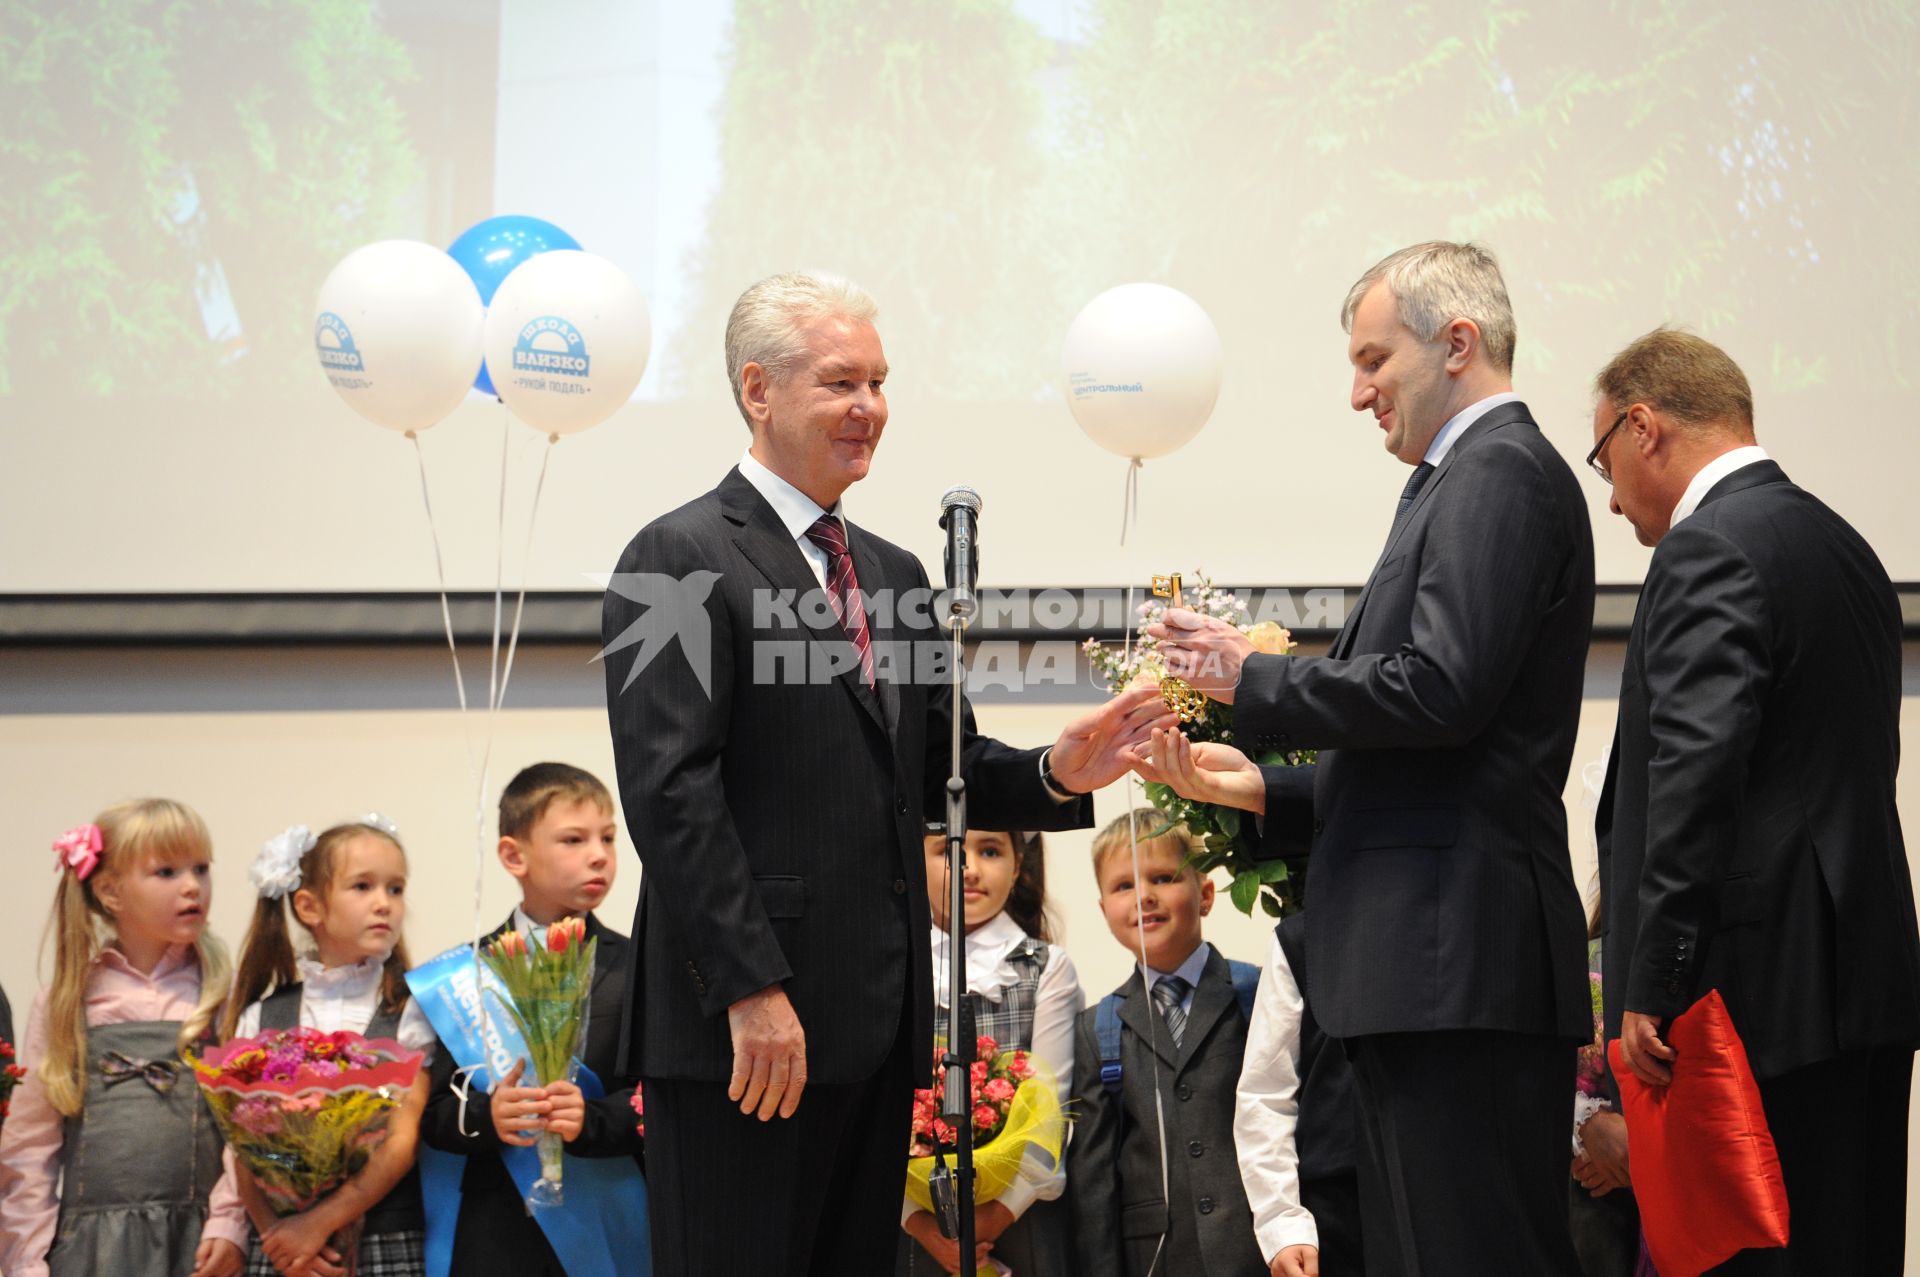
column 1034, row 1120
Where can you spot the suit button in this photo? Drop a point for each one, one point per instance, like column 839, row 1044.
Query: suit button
column 899, row 806
column 1206, row 1205
column 899, row 886
column 1196, row 1148
column 1673, row 988
column 1319, row 826
column 1184, row 1091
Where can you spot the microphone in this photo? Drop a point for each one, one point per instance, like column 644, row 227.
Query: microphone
column 960, row 515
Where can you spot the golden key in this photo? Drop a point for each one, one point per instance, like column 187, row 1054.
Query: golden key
column 1181, row 697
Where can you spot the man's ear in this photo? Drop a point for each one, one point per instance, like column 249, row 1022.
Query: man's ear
column 754, row 386
column 513, row 857
column 1644, row 429
column 306, row 907
column 1463, row 343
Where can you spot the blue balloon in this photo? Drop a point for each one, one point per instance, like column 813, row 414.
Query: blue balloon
column 488, row 251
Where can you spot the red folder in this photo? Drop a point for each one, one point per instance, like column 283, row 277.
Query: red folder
column 1705, row 1171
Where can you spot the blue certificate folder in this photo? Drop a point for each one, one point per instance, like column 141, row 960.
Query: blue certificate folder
column 601, row 1229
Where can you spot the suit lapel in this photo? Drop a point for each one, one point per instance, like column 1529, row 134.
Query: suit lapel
column 764, row 541
column 1137, row 1013
column 1211, row 998
column 1504, row 414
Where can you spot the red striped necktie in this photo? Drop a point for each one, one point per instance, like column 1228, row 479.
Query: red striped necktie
column 843, row 588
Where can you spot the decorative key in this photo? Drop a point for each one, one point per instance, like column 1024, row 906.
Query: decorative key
column 1181, row 696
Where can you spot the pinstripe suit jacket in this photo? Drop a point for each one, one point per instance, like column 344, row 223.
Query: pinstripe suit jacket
column 778, row 819
column 1442, row 892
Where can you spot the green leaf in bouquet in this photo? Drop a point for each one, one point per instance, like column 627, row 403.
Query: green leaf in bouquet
column 1218, row 842
column 1246, row 886
column 1161, row 832
column 1274, row 871
column 1228, row 819
column 1271, row 903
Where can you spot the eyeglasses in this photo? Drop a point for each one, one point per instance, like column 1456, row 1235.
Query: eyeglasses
column 1593, row 458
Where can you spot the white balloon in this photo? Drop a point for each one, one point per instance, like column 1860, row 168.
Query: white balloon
column 398, row 333
column 1142, row 369
column 567, row 340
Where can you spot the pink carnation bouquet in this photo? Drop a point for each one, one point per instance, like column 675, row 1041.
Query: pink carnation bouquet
column 302, row 1110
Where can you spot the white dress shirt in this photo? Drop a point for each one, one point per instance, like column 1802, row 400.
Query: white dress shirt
column 1267, row 1109
column 1458, row 423
column 797, row 510
column 1711, row 473
column 1057, row 1006
column 343, row 1000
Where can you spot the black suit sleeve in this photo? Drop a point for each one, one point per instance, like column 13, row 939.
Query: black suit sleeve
column 1286, row 828
column 610, row 1128
column 1494, row 559
column 1004, row 790
column 1093, row 1158
column 1708, row 666
column 669, row 738
column 440, row 1121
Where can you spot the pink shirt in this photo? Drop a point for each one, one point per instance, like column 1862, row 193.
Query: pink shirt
column 30, row 1142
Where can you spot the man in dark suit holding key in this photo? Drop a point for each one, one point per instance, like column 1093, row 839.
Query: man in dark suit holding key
column 1448, row 948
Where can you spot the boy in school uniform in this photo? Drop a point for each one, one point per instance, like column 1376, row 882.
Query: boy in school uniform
column 557, row 836
column 1182, row 1019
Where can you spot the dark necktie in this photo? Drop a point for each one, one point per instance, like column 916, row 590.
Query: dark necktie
column 1415, row 481
column 1169, row 992
column 843, row 588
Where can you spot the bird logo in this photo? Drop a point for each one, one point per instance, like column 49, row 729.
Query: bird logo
column 675, row 607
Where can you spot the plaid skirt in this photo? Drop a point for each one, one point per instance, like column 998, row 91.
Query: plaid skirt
column 400, row 1254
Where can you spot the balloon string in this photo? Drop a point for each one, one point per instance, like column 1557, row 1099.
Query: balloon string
column 526, row 558
column 499, row 564
column 1154, row 1023
column 1130, row 498
column 477, row 778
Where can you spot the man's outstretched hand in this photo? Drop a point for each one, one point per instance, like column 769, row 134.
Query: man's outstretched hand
column 1097, row 749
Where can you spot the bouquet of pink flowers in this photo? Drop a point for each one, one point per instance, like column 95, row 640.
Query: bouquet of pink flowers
column 302, row 1110
column 1015, row 1108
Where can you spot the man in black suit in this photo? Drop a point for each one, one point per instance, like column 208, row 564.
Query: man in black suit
column 775, row 772
column 1748, row 836
column 1448, row 948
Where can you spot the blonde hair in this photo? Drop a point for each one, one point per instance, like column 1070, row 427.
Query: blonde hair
column 764, row 327
column 132, row 831
column 1687, row 377
column 1144, row 826
column 1437, row 282
column 266, row 955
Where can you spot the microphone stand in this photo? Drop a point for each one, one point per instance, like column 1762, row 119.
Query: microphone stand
column 957, row 1100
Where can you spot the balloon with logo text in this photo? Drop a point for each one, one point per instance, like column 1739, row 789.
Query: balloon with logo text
column 1142, row 368
column 398, row 333
column 489, row 251
column 567, row 337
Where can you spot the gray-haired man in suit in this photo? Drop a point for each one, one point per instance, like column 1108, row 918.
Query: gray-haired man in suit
column 782, row 927
column 1448, row 948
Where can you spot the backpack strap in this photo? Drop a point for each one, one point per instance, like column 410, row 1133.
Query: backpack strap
column 281, row 1008
column 1106, row 1035
column 1246, row 984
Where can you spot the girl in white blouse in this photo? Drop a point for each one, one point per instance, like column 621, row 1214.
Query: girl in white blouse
column 1025, row 995
column 347, row 889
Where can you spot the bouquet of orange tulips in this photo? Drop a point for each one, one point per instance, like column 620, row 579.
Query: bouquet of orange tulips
column 545, row 983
